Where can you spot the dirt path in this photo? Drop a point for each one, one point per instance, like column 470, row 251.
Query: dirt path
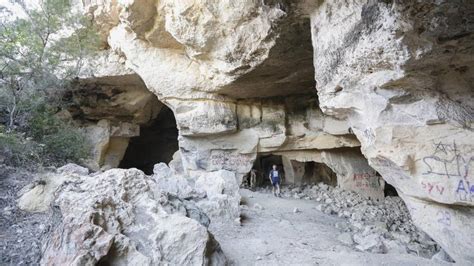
column 276, row 235
column 21, row 232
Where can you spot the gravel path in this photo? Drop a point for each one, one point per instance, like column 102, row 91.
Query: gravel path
column 272, row 233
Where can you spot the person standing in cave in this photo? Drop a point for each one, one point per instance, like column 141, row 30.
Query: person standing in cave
column 275, row 178
column 253, row 178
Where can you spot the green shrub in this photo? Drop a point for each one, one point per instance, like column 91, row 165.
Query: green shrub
column 67, row 144
column 43, row 122
column 49, row 141
column 17, row 150
column 36, row 69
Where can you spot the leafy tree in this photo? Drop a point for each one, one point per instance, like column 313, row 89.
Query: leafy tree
column 39, row 52
column 42, row 47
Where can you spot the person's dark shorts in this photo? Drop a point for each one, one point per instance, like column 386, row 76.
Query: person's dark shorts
column 275, row 181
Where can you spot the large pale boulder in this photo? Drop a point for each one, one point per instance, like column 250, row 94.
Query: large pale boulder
column 120, row 217
column 216, row 193
column 222, row 191
column 38, row 196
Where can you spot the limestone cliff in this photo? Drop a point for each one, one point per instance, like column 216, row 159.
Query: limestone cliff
column 311, row 81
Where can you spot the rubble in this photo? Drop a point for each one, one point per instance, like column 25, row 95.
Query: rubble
column 372, row 226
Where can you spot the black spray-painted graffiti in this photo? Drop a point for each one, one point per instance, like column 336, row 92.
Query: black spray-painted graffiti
column 448, row 161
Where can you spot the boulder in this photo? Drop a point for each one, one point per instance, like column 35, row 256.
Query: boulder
column 222, row 194
column 121, row 217
column 72, row 168
column 39, row 196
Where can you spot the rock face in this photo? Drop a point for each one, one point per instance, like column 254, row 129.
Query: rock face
column 409, row 65
column 121, row 217
column 111, row 106
column 393, row 77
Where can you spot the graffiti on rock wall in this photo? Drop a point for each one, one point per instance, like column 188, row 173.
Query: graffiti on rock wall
column 366, row 180
column 433, row 188
column 465, row 190
column 444, row 217
column 229, row 160
column 448, row 161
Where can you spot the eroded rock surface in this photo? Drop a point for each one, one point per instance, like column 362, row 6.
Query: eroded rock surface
column 409, row 65
column 121, row 217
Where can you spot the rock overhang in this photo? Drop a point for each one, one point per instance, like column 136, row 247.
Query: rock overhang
column 396, row 74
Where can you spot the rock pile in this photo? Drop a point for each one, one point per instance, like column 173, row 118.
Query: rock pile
column 372, row 226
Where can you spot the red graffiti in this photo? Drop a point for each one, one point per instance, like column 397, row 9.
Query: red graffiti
column 430, row 187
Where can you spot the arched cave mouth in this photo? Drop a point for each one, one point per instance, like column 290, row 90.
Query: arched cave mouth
column 315, row 172
column 157, row 142
column 293, row 172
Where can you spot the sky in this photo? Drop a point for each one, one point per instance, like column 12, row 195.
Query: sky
column 15, row 9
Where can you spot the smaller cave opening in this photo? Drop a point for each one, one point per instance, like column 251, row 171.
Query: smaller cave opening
column 389, row 190
column 315, row 172
column 309, row 172
column 292, row 171
column 157, row 142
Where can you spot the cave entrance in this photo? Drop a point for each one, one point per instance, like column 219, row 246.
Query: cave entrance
column 318, row 172
column 308, row 173
column 389, row 190
column 157, row 142
column 293, row 172
column 263, row 165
